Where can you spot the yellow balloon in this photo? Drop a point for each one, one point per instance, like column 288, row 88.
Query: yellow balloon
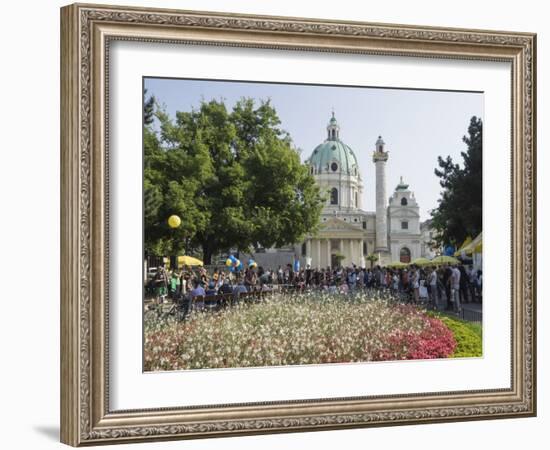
column 228, row 262
column 174, row 221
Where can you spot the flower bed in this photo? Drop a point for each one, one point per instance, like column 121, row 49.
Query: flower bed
column 303, row 329
column 468, row 337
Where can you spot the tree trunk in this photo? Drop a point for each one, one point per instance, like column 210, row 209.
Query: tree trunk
column 207, row 255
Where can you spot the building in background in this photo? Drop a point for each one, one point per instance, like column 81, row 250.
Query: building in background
column 348, row 233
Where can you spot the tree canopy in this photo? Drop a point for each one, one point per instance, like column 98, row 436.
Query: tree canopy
column 232, row 176
column 459, row 211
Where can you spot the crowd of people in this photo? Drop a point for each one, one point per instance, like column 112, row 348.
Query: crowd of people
column 441, row 287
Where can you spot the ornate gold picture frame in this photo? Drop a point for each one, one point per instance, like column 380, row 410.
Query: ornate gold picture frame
column 87, row 32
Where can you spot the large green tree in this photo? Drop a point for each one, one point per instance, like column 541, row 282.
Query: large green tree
column 459, row 211
column 233, row 177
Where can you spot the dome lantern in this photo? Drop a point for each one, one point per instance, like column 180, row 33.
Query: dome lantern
column 402, row 186
column 333, row 129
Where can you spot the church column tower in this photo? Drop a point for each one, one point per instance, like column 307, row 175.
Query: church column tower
column 379, row 157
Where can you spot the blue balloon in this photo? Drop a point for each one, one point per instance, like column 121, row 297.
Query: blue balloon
column 240, row 266
column 449, row 250
column 232, row 269
column 232, row 258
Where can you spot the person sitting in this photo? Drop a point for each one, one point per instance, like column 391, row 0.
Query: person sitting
column 197, row 291
column 239, row 289
column 343, row 288
column 226, row 288
column 211, row 292
column 211, row 289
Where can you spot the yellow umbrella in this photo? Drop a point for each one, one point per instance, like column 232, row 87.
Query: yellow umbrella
column 475, row 246
column 464, row 245
column 443, row 259
column 421, row 262
column 189, row 261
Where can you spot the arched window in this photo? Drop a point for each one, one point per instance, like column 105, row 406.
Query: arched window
column 356, row 203
column 404, row 201
column 334, row 196
column 405, row 255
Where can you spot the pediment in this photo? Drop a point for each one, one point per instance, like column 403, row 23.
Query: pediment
column 403, row 212
column 337, row 224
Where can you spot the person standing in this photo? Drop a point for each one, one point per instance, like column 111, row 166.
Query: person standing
column 464, row 286
column 352, row 279
column 479, row 286
column 161, row 285
column 415, row 281
column 250, row 279
column 447, row 275
column 405, row 284
column 455, row 289
column 432, row 282
column 174, row 284
column 395, row 282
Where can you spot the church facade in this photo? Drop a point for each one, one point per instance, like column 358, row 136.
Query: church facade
column 348, row 233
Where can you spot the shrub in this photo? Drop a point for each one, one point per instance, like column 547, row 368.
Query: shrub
column 468, row 336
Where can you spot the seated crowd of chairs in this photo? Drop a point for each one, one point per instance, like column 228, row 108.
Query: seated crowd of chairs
column 219, row 301
column 182, row 307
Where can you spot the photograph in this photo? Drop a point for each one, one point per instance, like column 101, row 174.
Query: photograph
column 294, row 224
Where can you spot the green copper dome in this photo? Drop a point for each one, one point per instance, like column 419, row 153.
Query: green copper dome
column 330, row 152
column 333, row 156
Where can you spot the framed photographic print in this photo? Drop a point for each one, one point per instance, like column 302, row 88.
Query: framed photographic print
column 278, row 224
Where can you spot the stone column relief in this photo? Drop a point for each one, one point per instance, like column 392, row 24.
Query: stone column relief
column 329, row 262
column 379, row 158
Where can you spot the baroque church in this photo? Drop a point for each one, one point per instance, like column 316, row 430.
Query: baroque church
column 348, row 232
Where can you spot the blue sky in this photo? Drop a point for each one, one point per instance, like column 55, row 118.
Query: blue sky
column 417, row 125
